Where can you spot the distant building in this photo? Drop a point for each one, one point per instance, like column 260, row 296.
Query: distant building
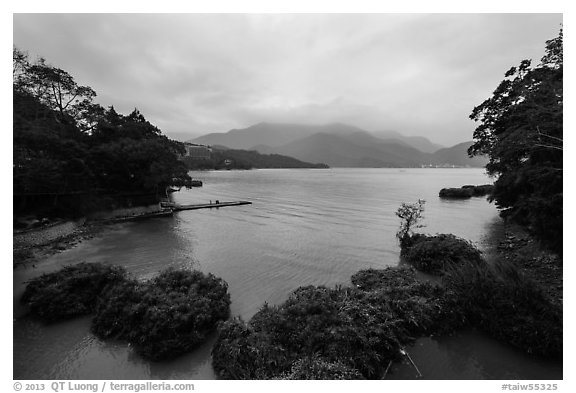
column 197, row 152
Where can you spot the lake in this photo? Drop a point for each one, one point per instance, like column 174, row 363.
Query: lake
column 305, row 227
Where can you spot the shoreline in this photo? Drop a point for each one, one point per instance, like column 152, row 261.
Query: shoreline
column 517, row 248
column 30, row 252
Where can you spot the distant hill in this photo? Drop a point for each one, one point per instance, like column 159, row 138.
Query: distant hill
column 342, row 145
column 355, row 150
column 458, row 155
column 419, row 142
column 272, row 134
column 224, row 158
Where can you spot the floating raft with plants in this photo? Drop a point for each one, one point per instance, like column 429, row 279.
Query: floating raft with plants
column 177, row 207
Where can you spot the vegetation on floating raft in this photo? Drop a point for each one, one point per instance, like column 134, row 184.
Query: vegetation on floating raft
column 352, row 332
column 467, row 191
column 166, row 316
column 70, row 291
column 436, row 254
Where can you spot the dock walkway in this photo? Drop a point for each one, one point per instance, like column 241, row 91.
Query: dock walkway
column 178, row 207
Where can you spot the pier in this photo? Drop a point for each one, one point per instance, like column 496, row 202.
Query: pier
column 177, row 207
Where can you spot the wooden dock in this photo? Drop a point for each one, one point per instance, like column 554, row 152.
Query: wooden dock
column 143, row 216
column 177, row 207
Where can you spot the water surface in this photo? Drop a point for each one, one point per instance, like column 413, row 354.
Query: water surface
column 304, row 227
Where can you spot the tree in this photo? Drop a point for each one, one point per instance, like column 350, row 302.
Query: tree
column 128, row 153
column 521, row 131
column 56, row 89
column 71, row 155
column 410, row 214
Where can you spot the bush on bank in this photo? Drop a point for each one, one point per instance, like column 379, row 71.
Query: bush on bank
column 494, row 298
column 70, row 291
column 354, row 332
column 510, row 307
column 436, row 254
column 166, row 316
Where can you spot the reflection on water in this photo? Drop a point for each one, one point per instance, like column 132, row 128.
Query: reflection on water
column 67, row 350
column 305, row 227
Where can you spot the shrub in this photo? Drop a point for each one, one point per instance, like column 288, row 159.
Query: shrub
column 410, row 215
column 353, row 332
column 166, row 316
column 504, row 303
column 466, row 191
column 484, row 189
column 460, row 193
column 435, row 254
column 70, row 291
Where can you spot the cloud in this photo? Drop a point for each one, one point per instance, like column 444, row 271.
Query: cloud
column 200, row 73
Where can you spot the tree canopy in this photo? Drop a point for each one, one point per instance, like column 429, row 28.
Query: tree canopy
column 521, row 131
column 65, row 144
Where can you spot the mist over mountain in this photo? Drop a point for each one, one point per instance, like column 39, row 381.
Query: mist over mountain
column 419, row 142
column 272, row 134
column 342, row 145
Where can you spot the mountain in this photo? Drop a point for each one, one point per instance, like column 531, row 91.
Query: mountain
column 458, row 155
column 271, row 134
column 419, row 142
column 359, row 149
column 342, row 145
column 224, row 158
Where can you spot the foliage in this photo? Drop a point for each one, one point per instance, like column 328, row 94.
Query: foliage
column 482, row 190
column 166, row 316
column 71, row 155
column 353, row 332
column 410, row 214
column 129, row 153
column 436, row 254
column 247, row 159
column 504, row 303
column 459, row 193
column 521, row 130
column 465, row 192
column 54, row 88
column 49, row 156
column 71, row 291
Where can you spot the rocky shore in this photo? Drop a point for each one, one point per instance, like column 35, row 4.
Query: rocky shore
column 31, row 246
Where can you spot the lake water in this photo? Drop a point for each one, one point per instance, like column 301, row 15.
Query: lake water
column 304, row 227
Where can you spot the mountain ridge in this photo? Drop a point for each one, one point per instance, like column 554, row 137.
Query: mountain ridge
column 342, row 145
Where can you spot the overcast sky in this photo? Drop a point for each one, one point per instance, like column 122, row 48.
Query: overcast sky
column 200, row 73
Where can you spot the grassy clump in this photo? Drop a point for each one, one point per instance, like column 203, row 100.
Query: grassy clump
column 354, row 331
column 71, row 291
column 508, row 306
column 317, row 368
column 436, row 254
column 166, row 316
